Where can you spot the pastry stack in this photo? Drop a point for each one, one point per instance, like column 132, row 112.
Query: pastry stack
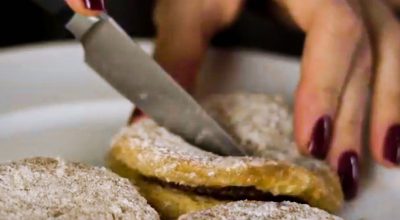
column 177, row 178
column 163, row 176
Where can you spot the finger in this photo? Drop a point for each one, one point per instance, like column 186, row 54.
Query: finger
column 385, row 118
column 184, row 29
column 87, row 7
column 345, row 151
column 333, row 33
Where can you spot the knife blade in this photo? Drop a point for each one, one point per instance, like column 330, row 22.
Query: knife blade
column 111, row 53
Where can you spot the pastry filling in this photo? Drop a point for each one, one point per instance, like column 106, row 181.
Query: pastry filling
column 231, row 193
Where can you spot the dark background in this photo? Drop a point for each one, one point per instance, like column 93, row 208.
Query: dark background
column 24, row 21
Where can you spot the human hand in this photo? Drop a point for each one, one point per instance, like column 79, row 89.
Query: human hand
column 347, row 41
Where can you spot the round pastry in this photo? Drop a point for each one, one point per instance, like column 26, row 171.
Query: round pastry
column 170, row 202
column 46, row 188
column 249, row 210
column 262, row 124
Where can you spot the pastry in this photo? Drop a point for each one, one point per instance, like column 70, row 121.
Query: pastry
column 46, row 188
column 170, row 202
column 255, row 210
column 161, row 161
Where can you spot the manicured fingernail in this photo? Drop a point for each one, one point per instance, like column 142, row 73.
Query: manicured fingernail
column 349, row 171
column 136, row 115
column 391, row 151
column 321, row 137
column 97, row 5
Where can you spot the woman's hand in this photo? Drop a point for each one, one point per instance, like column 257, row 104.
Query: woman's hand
column 352, row 49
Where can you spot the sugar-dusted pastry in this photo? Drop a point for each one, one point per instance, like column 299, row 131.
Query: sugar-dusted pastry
column 256, row 210
column 164, row 162
column 46, row 188
column 170, row 202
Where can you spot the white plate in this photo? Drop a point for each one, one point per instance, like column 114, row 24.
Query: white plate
column 51, row 104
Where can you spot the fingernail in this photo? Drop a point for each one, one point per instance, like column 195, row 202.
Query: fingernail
column 97, row 5
column 391, row 151
column 348, row 171
column 321, row 137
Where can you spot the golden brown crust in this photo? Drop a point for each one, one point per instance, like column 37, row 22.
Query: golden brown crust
column 152, row 151
column 206, row 169
column 173, row 203
column 169, row 202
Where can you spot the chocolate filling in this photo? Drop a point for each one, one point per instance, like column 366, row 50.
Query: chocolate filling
column 231, row 193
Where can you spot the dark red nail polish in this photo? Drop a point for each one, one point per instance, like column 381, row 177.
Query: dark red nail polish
column 97, row 5
column 349, row 171
column 391, row 151
column 321, row 137
column 136, row 115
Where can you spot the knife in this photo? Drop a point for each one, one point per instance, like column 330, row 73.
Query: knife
column 111, row 53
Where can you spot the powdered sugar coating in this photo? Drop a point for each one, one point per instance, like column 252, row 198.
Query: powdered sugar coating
column 45, row 188
column 253, row 210
column 157, row 143
column 262, row 123
column 258, row 121
column 153, row 151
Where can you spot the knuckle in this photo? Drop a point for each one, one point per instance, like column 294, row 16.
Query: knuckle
column 352, row 122
column 344, row 18
column 330, row 93
column 390, row 39
column 368, row 65
column 365, row 59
